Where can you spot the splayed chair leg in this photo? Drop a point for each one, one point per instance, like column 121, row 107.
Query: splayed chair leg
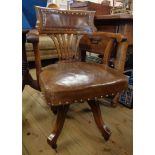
column 105, row 131
column 115, row 100
column 61, row 115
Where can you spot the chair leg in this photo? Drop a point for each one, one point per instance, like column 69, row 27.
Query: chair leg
column 54, row 110
column 105, row 131
column 61, row 115
column 115, row 100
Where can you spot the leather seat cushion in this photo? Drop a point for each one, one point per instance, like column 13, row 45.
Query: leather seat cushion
column 65, row 83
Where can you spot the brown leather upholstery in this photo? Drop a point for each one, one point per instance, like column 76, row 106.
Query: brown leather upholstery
column 53, row 20
column 66, row 83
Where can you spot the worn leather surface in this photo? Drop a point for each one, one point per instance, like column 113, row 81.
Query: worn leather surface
column 50, row 20
column 66, row 83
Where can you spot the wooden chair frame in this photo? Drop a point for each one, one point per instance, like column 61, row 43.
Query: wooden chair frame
column 44, row 28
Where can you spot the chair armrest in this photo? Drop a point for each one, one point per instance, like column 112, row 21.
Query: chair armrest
column 95, row 39
column 121, row 47
column 119, row 37
column 32, row 36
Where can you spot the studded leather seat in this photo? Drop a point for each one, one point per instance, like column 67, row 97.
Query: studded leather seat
column 66, row 83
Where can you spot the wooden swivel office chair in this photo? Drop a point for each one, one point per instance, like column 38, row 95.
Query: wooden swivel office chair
column 70, row 80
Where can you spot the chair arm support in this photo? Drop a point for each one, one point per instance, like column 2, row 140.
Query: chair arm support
column 121, row 55
column 33, row 37
column 122, row 45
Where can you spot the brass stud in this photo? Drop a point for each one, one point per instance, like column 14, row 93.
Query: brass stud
column 107, row 95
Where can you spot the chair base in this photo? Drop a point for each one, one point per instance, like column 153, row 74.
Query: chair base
column 61, row 116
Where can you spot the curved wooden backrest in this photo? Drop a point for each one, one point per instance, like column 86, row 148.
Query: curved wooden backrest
column 65, row 28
